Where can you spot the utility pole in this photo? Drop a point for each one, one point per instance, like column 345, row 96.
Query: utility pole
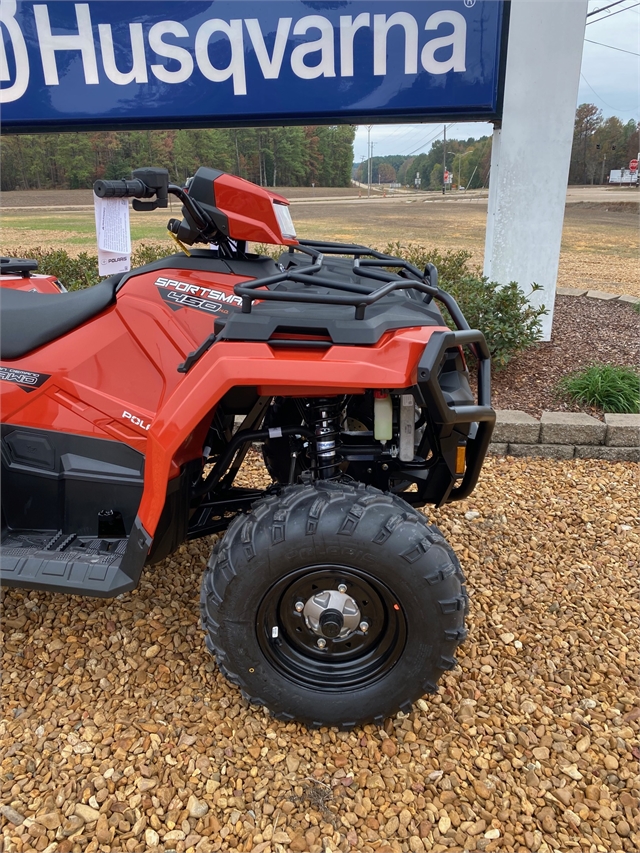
column 604, row 160
column 369, row 152
column 373, row 145
column 460, row 158
column 444, row 165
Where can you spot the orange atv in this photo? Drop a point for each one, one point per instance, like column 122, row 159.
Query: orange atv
column 128, row 409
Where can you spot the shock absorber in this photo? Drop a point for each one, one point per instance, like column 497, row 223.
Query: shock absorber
column 326, row 418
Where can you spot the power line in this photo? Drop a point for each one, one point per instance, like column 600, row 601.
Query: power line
column 427, row 141
column 621, row 49
column 604, row 8
column 423, row 144
column 401, row 130
column 606, row 17
column 599, row 97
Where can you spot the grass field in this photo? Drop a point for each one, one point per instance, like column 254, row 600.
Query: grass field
column 599, row 242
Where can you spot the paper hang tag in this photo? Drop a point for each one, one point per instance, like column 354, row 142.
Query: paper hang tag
column 112, row 224
column 113, row 233
column 110, row 263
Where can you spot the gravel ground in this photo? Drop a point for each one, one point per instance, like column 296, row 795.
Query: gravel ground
column 585, row 331
column 119, row 733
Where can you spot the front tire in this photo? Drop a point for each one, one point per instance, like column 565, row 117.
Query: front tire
column 329, row 551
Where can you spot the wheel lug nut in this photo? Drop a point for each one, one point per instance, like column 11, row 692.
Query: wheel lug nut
column 299, row 605
column 364, row 627
column 342, row 587
column 321, row 643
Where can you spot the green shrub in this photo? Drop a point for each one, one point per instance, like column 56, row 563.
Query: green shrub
column 73, row 272
column 146, row 254
column 452, row 265
column 76, row 272
column 501, row 312
column 605, row 386
column 271, row 251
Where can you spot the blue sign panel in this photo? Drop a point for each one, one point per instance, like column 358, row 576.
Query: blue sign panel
column 137, row 63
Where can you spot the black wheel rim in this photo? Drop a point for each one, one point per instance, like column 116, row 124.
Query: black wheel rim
column 352, row 662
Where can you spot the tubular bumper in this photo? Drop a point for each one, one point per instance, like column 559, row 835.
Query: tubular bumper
column 443, row 414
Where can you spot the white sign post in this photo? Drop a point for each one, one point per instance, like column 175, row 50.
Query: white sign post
column 114, row 235
column 532, row 147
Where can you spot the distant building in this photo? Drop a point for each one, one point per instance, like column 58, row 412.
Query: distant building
column 623, row 177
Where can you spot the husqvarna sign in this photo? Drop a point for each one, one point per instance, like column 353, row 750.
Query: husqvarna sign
column 131, row 63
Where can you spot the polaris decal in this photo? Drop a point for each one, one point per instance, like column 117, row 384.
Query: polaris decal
column 26, row 379
column 135, row 420
column 181, row 294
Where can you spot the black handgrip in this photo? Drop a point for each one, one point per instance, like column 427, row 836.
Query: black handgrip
column 123, row 189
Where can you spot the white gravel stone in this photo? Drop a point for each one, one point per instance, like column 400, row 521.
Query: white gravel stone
column 500, row 742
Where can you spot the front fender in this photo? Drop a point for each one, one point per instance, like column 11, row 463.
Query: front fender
column 392, row 363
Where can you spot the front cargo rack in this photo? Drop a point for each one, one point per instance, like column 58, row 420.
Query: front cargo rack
column 367, row 263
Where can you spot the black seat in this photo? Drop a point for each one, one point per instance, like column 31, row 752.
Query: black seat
column 29, row 320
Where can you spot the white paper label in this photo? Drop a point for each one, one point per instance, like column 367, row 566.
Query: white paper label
column 114, row 236
column 110, row 263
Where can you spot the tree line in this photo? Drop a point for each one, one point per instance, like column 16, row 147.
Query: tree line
column 468, row 160
column 290, row 156
column 270, row 156
column 600, row 145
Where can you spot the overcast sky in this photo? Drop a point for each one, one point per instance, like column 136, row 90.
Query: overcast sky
column 609, row 79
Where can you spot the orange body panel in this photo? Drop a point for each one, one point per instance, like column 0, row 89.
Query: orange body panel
column 116, row 376
column 249, row 210
column 41, row 283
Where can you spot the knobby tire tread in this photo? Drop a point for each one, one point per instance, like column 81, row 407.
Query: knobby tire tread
column 447, row 586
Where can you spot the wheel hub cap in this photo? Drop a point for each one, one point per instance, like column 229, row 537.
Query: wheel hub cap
column 332, row 614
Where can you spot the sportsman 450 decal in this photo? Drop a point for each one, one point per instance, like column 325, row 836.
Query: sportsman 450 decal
column 181, row 294
column 24, row 378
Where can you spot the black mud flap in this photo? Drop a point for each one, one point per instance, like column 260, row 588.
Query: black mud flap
column 57, row 562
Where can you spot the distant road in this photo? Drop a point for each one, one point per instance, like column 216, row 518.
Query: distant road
column 82, row 199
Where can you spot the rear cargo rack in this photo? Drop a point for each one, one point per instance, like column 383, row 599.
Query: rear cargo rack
column 367, row 263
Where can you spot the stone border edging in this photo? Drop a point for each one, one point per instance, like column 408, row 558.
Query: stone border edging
column 597, row 294
column 567, row 435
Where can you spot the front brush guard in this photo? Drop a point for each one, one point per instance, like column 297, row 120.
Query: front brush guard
column 444, row 415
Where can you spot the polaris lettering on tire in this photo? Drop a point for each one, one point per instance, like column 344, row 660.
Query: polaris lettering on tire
column 26, row 379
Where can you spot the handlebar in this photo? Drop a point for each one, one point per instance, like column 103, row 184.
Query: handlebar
column 154, row 184
column 123, row 189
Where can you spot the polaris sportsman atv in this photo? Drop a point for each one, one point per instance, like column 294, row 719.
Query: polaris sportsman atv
column 128, row 409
